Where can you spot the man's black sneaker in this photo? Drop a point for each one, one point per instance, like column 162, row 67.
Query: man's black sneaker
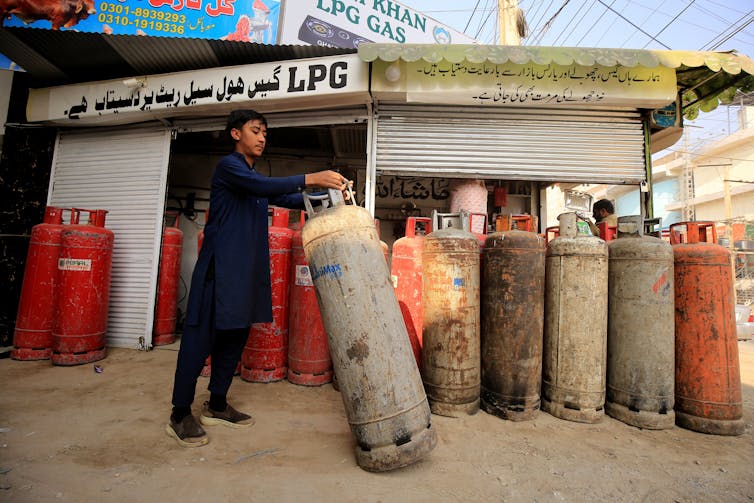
column 187, row 432
column 229, row 417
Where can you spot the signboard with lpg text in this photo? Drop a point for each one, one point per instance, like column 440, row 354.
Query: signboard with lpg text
column 348, row 23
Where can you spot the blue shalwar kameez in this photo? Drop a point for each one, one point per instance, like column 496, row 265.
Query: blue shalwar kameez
column 230, row 287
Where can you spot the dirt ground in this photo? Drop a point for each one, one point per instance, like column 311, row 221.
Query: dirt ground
column 71, row 434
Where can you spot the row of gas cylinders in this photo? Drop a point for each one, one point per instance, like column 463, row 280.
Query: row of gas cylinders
column 62, row 312
column 636, row 328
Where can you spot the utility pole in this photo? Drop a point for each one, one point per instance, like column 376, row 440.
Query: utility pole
column 508, row 14
column 728, row 202
column 687, row 182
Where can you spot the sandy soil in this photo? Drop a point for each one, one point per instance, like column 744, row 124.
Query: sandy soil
column 71, row 434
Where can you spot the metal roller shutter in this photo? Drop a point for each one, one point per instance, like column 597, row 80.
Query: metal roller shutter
column 123, row 171
column 531, row 144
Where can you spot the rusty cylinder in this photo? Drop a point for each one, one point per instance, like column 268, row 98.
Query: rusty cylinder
column 708, row 394
column 377, row 374
column 575, row 335
column 450, row 307
column 640, row 333
column 512, row 312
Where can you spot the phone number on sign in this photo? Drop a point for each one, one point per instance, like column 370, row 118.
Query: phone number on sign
column 123, row 15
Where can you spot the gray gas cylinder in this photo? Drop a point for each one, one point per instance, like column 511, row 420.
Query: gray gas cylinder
column 641, row 328
column 575, row 336
column 379, row 380
column 450, row 309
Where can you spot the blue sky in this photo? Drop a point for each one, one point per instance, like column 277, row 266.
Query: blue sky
column 719, row 25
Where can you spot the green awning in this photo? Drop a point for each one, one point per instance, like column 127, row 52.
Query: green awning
column 705, row 79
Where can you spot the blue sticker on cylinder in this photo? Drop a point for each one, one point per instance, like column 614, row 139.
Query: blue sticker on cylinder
column 331, row 271
column 458, row 283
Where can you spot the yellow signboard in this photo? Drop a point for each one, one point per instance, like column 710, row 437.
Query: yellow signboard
column 530, row 84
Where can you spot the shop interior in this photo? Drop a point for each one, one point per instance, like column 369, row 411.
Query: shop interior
column 296, row 150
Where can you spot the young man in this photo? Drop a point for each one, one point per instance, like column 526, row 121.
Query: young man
column 230, row 287
column 603, row 211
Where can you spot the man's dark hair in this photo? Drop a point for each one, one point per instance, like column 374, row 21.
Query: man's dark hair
column 603, row 204
column 238, row 118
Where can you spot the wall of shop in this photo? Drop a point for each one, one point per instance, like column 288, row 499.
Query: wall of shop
column 25, row 174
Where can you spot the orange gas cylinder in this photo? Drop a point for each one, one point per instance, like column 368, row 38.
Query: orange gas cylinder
column 309, row 362
column 514, row 222
column 551, row 233
column 406, row 275
column 78, row 332
column 166, row 305
column 32, row 337
column 265, row 356
column 707, row 379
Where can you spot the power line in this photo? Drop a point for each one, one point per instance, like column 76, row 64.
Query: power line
column 732, row 34
column 572, row 24
column 656, row 9
column 483, row 23
column 531, row 15
column 633, row 24
column 535, row 26
column 609, row 28
column 471, row 16
column 669, row 23
column 551, row 20
column 728, row 37
column 587, row 32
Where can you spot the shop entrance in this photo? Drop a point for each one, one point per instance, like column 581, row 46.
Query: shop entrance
column 291, row 150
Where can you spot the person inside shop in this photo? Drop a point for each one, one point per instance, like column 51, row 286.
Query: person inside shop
column 230, row 286
column 603, row 211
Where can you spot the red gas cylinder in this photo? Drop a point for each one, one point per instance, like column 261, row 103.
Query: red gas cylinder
column 406, row 275
column 265, row 356
column 78, row 332
column 32, row 337
column 166, row 306
column 309, row 362
column 607, row 232
column 707, row 379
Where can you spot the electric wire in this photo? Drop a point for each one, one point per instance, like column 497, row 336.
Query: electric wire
column 588, row 31
column 549, row 22
column 531, row 16
column 471, row 16
column 716, row 46
column 482, row 25
column 610, row 27
column 542, row 18
column 633, row 24
column 713, row 44
column 571, row 24
column 669, row 23
column 647, row 18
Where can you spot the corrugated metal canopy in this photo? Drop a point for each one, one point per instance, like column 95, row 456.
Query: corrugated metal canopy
column 57, row 57
column 706, row 78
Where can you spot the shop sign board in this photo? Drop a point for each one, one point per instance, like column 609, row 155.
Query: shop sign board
column 179, row 93
column 348, row 23
column 247, row 21
column 529, row 84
